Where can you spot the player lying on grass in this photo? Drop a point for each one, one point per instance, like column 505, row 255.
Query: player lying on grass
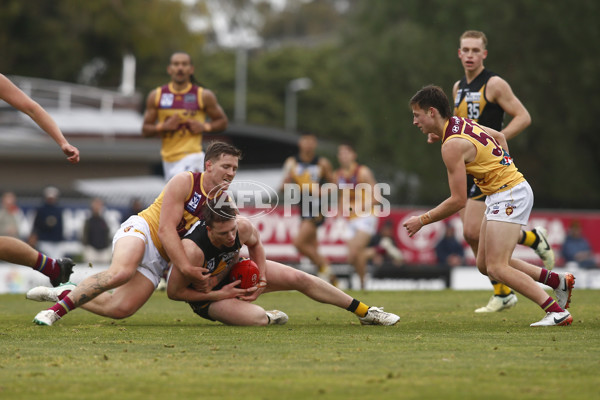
column 146, row 243
column 215, row 245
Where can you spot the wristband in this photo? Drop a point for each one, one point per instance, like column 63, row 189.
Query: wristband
column 425, row 219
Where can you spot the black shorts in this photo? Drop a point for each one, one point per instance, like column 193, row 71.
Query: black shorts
column 473, row 191
column 201, row 307
column 316, row 218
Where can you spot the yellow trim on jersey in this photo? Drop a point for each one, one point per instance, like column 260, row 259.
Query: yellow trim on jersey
column 185, row 89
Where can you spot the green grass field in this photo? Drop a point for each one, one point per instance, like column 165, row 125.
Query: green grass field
column 440, row 349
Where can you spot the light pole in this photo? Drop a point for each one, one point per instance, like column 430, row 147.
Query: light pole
column 291, row 107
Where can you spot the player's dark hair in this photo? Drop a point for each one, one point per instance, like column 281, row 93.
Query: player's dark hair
column 218, row 210
column 432, row 96
column 216, row 149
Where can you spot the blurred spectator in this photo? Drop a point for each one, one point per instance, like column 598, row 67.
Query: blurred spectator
column 449, row 251
column 135, row 207
column 47, row 232
column 576, row 248
column 96, row 235
column 10, row 216
column 383, row 251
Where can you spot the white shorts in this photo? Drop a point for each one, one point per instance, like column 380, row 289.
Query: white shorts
column 192, row 162
column 367, row 224
column 152, row 265
column 513, row 205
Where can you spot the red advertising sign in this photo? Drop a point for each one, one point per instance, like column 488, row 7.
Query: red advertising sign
column 277, row 233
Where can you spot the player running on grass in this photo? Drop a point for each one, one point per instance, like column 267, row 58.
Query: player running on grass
column 215, row 244
column 468, row 148
column 484, row 97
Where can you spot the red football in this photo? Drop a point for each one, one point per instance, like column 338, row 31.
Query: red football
column 246, row 271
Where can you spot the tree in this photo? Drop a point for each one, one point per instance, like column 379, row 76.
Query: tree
column 57, row 39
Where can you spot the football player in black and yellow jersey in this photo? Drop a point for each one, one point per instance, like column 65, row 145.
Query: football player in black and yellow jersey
column 215, row 245
column 484, row 97
column 309, row 171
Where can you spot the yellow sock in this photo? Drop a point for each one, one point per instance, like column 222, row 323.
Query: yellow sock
column 529, row 239
column 361, row 310
column 358, row 307
column 500, row 289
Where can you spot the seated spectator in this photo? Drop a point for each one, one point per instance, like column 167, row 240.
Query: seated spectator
column 383, row 250
column 576, row 248
column 449, row 251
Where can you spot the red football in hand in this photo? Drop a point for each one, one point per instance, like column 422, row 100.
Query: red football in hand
column 245, row 271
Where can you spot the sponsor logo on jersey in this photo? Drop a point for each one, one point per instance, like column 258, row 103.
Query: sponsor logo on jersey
column 218, row 264
column 166, row 99
column 473, row 97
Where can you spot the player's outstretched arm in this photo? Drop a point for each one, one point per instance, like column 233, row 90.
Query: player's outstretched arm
column 19, row 100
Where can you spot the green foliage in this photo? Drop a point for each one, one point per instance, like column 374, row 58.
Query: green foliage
column 397, row 47
column 439, row 350
column 56, row 39
column 365, row 64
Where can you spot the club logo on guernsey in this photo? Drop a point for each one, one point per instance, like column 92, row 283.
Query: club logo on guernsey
column 224, row 261
column 457, row 100
column 189, row 98
column 506, row 159
column 192, row 205
column 166, row 99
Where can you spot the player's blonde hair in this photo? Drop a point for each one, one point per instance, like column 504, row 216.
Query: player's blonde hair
column 474, row 35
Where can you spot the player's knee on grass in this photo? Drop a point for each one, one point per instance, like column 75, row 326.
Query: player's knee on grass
column 243, row 314
column 121, row 310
